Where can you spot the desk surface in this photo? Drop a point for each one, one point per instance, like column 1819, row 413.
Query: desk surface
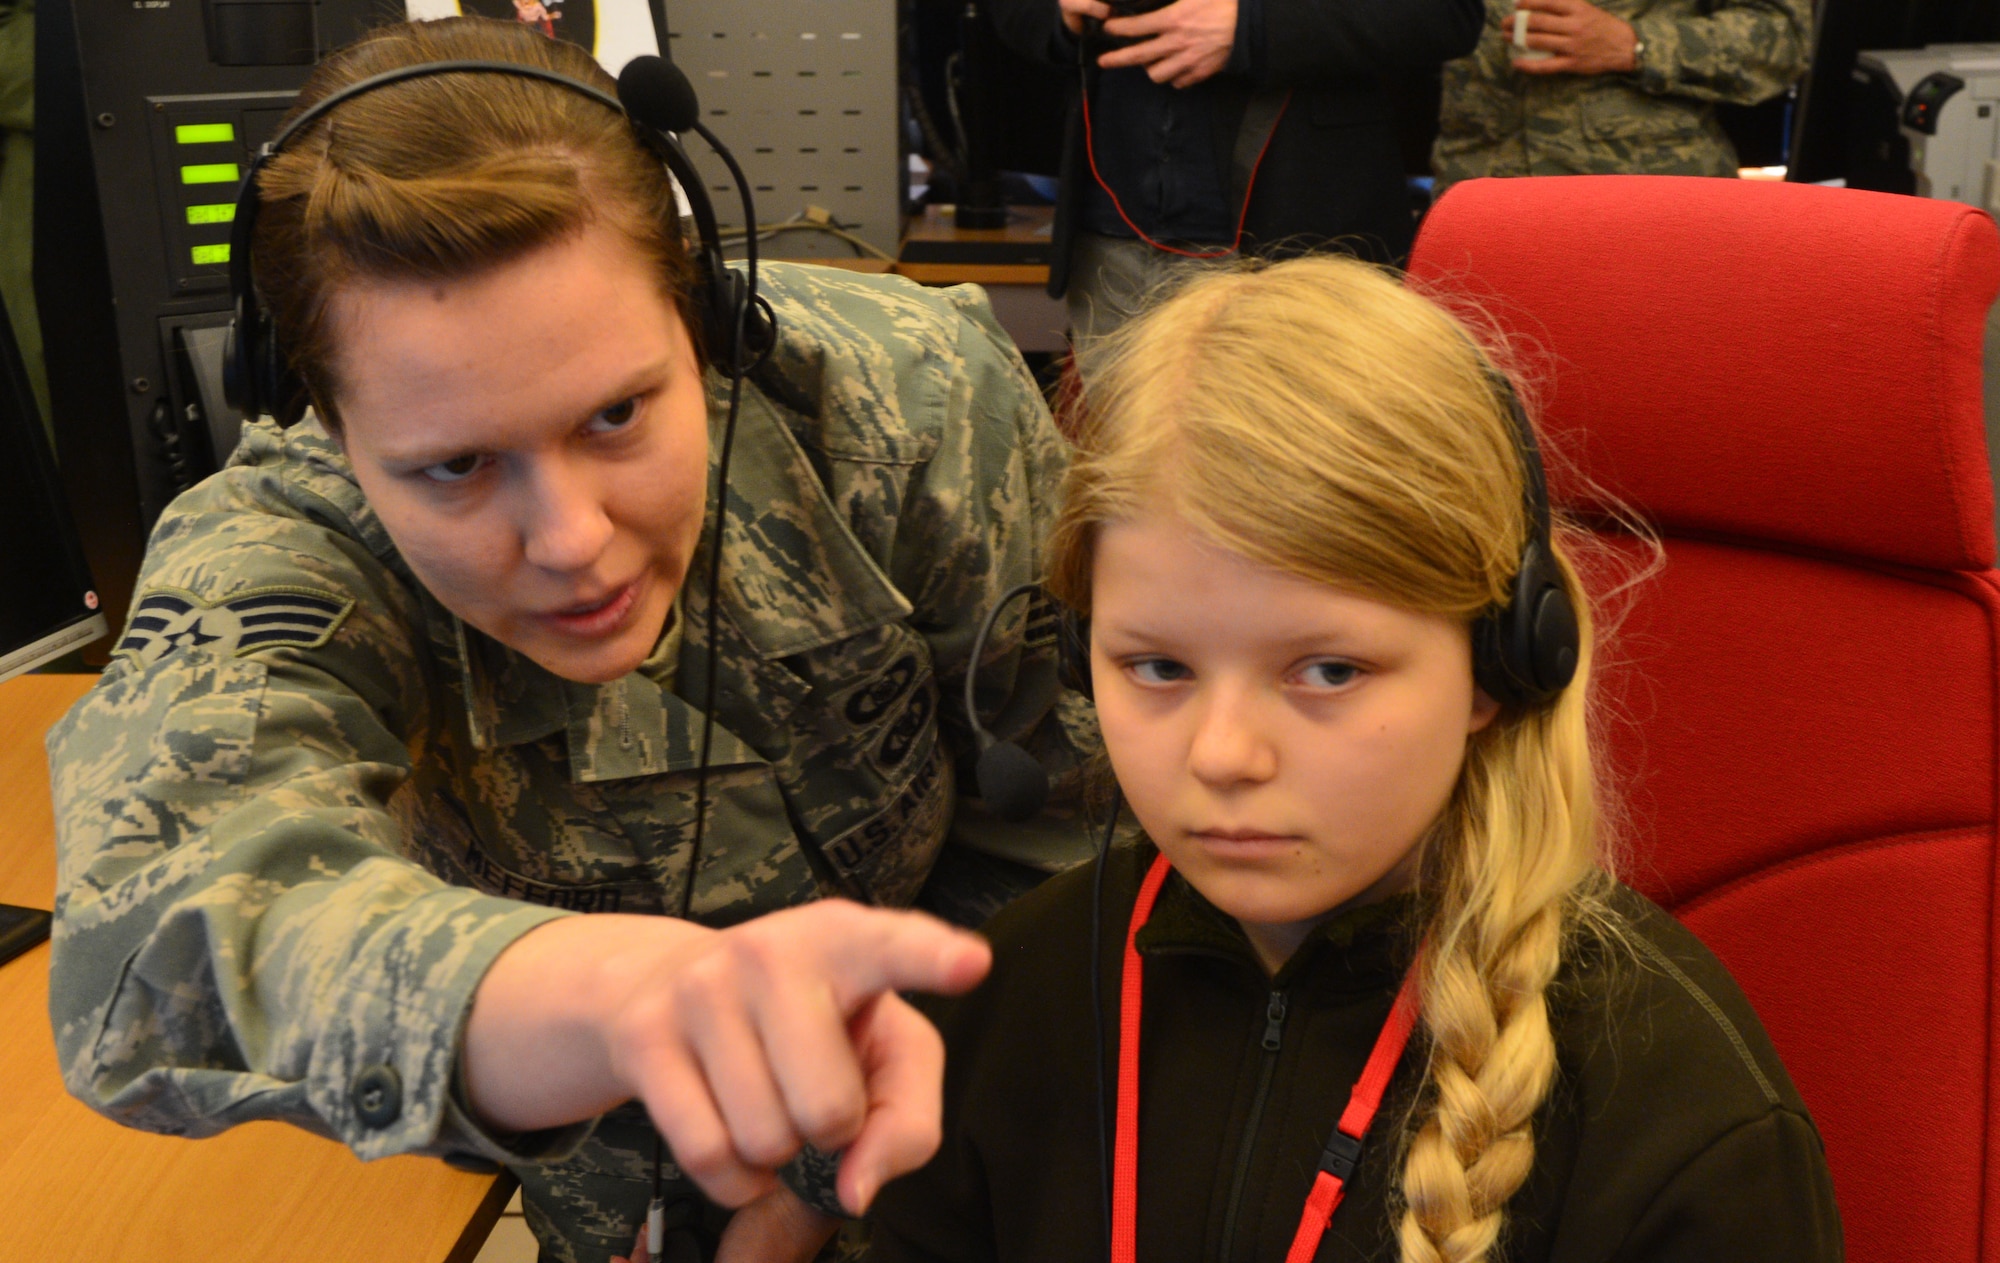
column 74, row 1186
column 1025, row 225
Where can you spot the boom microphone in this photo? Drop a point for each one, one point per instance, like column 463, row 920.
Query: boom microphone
column 657, row 91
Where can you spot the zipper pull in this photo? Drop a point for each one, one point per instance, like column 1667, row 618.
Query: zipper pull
column 1274, row 1021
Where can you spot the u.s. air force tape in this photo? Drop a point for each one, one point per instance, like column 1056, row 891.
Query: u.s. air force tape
column 168, row 619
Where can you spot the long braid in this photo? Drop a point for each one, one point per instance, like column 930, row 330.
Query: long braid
column 1511, row 869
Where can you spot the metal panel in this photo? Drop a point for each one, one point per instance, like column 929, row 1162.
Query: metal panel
column 804, row 92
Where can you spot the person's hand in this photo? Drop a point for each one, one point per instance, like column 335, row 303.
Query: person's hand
column 1584, row 38
column 776, row 1228
column 742, row 1043
column 1075, row 11
column 1184, row 43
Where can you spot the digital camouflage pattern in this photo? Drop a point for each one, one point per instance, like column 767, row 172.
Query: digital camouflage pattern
column 1659, row 120
column 305, row 808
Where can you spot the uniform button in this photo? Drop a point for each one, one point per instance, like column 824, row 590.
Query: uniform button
column 377, row 1095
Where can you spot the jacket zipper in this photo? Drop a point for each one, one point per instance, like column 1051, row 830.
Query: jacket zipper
column 1274, row 1031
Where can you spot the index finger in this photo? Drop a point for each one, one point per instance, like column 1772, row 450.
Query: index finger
column 866, row 951
column 1135, row 55
column 1145, row 24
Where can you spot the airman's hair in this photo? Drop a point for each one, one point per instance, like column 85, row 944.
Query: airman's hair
column 1319, row 418
column 442, row 177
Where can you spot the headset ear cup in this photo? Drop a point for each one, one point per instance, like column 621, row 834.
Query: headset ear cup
column 1527, row 653
column 1489, row 667
column 235, row 379
column 276, row 387
column 1555, row 641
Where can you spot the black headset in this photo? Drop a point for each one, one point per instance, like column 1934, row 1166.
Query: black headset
column 1525, row 652
column 738, row 328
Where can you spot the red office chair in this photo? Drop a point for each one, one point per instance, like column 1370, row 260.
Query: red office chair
column 1786, row 381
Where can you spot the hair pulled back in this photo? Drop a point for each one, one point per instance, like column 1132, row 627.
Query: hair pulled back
column 1317, row 417
column 442, row 177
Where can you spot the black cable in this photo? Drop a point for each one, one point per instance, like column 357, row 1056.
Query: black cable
column 979, row 647
column 1097, row 1002
column 714, row 620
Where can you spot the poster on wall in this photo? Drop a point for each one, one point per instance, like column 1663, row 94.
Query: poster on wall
column 615, row 31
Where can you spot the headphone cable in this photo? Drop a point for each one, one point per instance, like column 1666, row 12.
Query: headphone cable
column 1090, row 156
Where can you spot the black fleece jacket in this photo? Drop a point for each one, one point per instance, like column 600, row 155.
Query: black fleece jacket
column 1672, row 1132
column 1334, row 168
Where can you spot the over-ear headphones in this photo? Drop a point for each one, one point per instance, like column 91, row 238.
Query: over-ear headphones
column 1525, row 652
column 738, row 328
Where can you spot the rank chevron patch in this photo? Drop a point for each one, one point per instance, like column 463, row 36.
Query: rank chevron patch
column 261, row 618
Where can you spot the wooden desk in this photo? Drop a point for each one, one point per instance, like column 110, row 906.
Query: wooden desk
column 74, row 1186
column 1018, row 290
column 1027, row 226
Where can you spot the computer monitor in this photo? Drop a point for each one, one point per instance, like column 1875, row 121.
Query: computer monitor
column 47, row 604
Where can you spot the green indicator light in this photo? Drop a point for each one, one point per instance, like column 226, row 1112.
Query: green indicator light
column 219, row 213
column 211, row 173
column 212, row 254
column 205, row 134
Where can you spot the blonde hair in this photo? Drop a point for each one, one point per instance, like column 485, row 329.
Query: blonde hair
column 1319, row 418
column 441, row 177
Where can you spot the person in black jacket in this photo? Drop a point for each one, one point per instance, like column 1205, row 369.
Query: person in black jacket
column 1367, row 989
column 1205, row 125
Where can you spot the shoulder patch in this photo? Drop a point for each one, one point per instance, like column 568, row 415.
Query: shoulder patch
column 167, row 619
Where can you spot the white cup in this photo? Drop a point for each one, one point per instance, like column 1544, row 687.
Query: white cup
column 1521, row 50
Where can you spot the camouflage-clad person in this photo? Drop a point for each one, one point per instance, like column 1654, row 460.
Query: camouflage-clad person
column 409, row 680
column 1621, row 87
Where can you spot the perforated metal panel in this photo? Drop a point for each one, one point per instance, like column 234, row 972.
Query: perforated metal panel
column 804, row 93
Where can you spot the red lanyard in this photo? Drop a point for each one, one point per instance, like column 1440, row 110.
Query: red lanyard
column 1336, row 1162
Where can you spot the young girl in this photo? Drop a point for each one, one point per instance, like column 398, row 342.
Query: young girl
column 1301, row 505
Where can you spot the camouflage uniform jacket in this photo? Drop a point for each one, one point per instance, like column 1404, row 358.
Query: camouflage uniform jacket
column 305, row 808
column 1658, row 120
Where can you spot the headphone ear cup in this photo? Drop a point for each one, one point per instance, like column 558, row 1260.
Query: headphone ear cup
column 236, row 388
column 1527, row 653
column 1489, row 666
column 1555, row 642
column 277, row 386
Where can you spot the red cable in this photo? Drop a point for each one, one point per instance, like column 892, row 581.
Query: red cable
column 1242, row 215
column 1362, row 1102
column 1125, row 1157
column 1328, row 1189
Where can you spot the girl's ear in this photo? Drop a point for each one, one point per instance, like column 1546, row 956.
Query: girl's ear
column 1484, row 709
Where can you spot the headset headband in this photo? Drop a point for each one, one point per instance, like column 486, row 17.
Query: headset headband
column 738, row 328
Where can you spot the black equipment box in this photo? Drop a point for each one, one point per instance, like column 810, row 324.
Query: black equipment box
column 146, row 114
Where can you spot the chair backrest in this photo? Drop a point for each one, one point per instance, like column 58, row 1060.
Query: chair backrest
column 1805, row 700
